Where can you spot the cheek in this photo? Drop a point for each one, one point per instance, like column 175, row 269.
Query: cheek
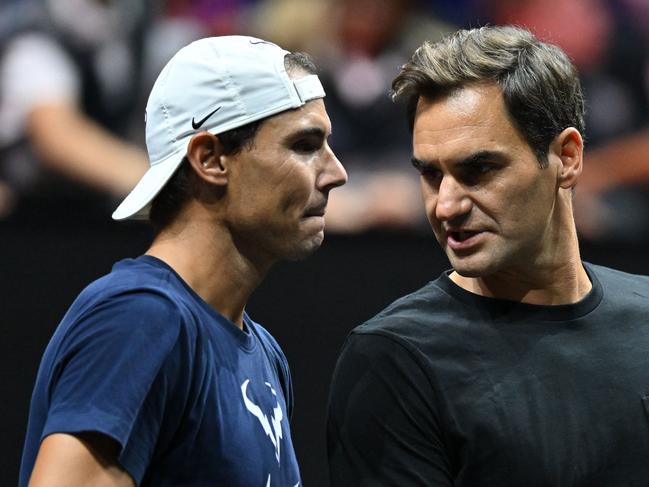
column 296, row 188
column 527, row 206
column 429, row 197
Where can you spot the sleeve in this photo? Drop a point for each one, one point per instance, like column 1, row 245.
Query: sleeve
column 382, row 427
column 114, row 373
column 34, row 71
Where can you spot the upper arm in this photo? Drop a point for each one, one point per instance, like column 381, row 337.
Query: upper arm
column 383, row 427
column 79, row 460
column 116, row 374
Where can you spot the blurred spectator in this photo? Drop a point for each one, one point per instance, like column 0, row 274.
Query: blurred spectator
column 612, row 201
column 609, row 42
column 218, row 18
column 69, row 80
column 298, row 25
column 360, row 47
column 360, row 44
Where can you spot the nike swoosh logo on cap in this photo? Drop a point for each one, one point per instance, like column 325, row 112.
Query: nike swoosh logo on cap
column 259, row 41
column 197, row 125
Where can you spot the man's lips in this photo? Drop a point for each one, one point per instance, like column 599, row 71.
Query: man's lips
column 463, row 238
column 316, row 211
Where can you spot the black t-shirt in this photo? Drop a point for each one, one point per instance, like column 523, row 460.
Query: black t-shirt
column 448, row 388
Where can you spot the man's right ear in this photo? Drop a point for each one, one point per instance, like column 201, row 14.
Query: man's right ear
column 205, row 154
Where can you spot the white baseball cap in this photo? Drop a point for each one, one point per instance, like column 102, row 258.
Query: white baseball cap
column 214, row 84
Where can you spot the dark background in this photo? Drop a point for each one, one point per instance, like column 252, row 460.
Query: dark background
column 309, row 307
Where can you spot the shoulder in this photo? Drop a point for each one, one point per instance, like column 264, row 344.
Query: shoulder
column 267, row 340
column 400, row 335
column 35, row 43
column 277, row 359
column 609, row 277
column 621, row 291
column 272, row 350
column 135, row 321
column 425, row 307
column 618, row 286
column 23, row 88
column 132, row 303
column 33, row 52
column 133, row 280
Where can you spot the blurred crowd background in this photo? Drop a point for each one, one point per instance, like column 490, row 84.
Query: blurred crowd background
column 74, row 76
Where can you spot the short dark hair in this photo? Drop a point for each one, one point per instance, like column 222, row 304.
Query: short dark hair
column 180, row 188
column 540, row 85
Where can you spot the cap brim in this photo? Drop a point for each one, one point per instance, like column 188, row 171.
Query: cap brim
column 136, row 204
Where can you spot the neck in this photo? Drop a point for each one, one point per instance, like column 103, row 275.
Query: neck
column 206, row 258
column 563, row 284
column 554, row 276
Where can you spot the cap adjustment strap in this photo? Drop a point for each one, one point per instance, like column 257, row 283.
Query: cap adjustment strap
column 309, row 88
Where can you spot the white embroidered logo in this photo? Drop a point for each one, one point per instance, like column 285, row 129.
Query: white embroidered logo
column 268, row 482
column 275, row 434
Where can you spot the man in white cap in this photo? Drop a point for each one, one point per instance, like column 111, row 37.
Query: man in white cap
column 156, row 375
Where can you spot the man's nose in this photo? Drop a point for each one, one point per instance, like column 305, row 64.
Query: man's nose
column 452, row 200
column 333, row 173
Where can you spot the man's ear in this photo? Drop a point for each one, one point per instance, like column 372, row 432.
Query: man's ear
column 205, row 154
column 568, row 146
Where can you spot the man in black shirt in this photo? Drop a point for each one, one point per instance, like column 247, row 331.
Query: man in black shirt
column 521, row 365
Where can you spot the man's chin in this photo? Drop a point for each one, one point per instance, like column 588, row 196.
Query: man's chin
column 464, row 272
column 469, row 268
column 306, row 248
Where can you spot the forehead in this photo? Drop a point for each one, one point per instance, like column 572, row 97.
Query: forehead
column 469, row 119
column 312, row 114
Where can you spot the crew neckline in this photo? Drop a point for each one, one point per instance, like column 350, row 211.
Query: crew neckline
column 244, row 337
column 504, row 307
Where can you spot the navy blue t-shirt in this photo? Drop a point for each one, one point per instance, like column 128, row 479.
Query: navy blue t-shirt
column 190, row 398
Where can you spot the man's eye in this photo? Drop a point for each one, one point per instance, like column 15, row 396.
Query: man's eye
column 425, row 170
column 305, row 146
column 429, row 172
column 484, row 168
column 478, row 172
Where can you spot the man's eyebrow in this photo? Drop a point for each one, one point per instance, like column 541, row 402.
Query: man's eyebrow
column 309, row 132
column 480, row 157
column 472, row 159
column 418, row 163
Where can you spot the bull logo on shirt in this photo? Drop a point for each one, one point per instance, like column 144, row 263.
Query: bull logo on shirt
column 274, row 432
